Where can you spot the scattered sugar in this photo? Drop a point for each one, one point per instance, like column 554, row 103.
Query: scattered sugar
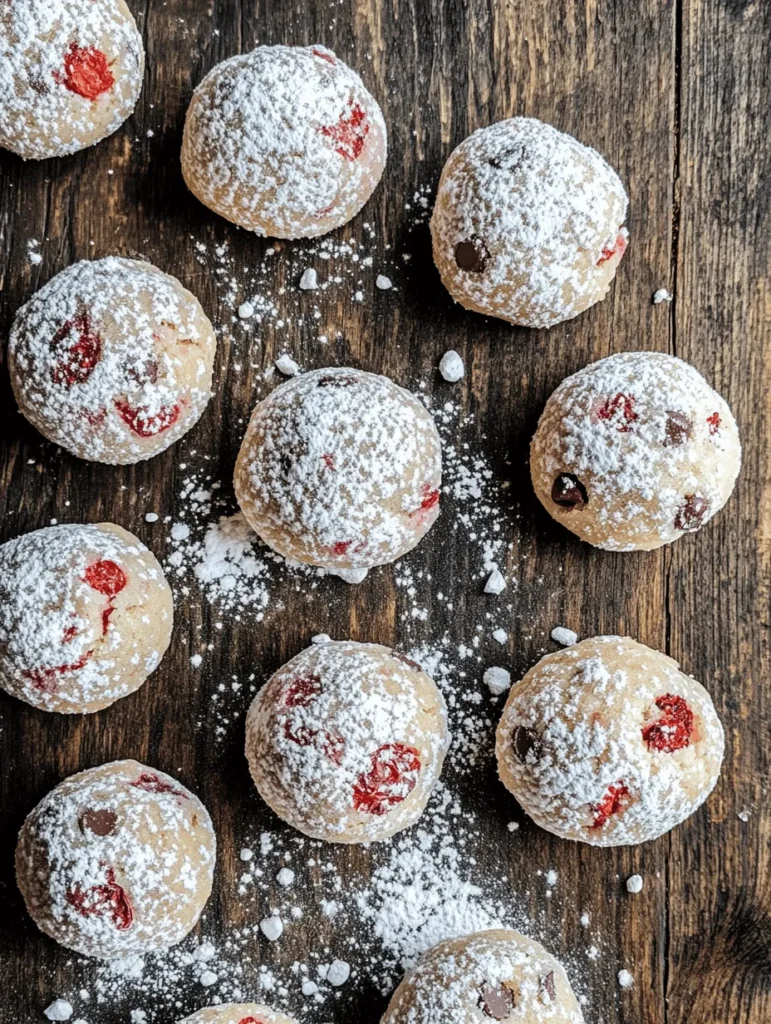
column 286, row 365
column 309, row 281
column 634, row 883
column 496, row 584
column 625, row 979
column 383, row 283
column 662, row 295
column 497, row 680
column 59, row 1009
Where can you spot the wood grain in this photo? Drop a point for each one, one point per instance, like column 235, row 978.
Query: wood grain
column 675, row 94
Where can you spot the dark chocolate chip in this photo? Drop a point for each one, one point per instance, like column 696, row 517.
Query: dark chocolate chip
column 568, row 492
column 679, row 429
column 101, row 822
column 472, row 255
column 525, row 740
column 690, row 515
column 547, row 984
column 497, row 1001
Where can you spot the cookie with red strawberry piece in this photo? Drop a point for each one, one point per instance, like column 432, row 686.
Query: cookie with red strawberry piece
column 112, row 360
column 609, row 743
column 237, row 1013
column 635, row 450
column 346, row 741
column 341, row 469
column 285, row 141
column 496, row 975
column 85, row 616
column 528, row 223
column 70, row 74
column 116, row 860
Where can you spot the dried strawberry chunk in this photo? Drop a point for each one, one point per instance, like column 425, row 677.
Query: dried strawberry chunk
column 101, row 821
column 497, row 1001
column 302, row 692
column 341, row 547
column 609, row 805
column 619, row 408
column 690, row 516
column 152, row 783
column 672, row 731
column 144, row 425
column 324, row 55
column 76, row 358
column 714, row 423
column 392, row 776
column 332, row 745
column 619, row 247
column 106, row 576
column 350, row 132
column 86, row 72
column 45, row 679
column 431, row 499
column 678, row 429
column 102, row 900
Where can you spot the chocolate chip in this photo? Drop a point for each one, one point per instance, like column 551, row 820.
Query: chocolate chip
column 524, row 740
column 547, row 984
column 690, row 515
column 679, row 429
column 101, row 822
column 568, row 492
column 472, row 255
column 497, row 1001
column 407, row 661
column 336, row 380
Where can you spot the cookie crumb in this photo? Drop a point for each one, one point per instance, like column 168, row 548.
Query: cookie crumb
column 286, row 365
column 564, row 636
column 309, row 282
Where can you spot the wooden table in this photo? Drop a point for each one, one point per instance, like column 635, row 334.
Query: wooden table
column 675, row 94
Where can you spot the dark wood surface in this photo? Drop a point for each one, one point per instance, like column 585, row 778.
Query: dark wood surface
column 676, row 94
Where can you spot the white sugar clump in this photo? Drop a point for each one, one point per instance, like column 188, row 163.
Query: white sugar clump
column 59, row 1009
column 497, row 680
column 246, row 854
column 634, row 883
column 500, row 635
column 321, row 638
column 309, row 282
column 352, row 575
column 662, row 295
column 286, row 365
column 246, row 310
column 564, row 636
column 285, row 877
column 496, row 584
column 196, row 660
column 151, row 517
column 272, row 928
column 208, row 978
column 338, row 973
column 625, row 979
column 383, row 283
column 451, row 366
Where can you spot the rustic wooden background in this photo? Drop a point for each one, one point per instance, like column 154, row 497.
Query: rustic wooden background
column 676, row 94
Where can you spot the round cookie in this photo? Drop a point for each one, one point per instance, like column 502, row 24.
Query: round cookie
column 70, row 74
column 497, row 975
column 635, row 450
column 116, row 860
column 340, row 469
column 609, row 743
column 346, row 741
column 112, row 360
column 285, row 141
column 528, row 224
column 85, row 616
column 237, row 1013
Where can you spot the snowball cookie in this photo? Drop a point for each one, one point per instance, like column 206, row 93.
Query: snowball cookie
column 85, row 616
column 634, row 451
column 528, row 224
column 112, row 359
column 346, row 741
column 608, row 742
column 285, row 141
column 70, row 74
column 493, row 975
column 116, row 860
column 340, row 469
column 237, row 1013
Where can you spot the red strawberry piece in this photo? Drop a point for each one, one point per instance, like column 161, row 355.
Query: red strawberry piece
column 672, row 731
column 329, row 462
column 332, row 745
column 86, row 72
column 349, row 133
column 714, row 423
column 690, row 516
column 609, row 805
column 330, row 60
column 341, row 547
column 407, row 661
column 431, row 498
column 103, row 900
column 78, row 348
column 678, row 429
column 619, row 247
column 106, row 576
column 392, row 776
column 548, row 986
column 144, row 425
column 44, row 679
column 619, row 408
column 302, row 692
column 152, row 783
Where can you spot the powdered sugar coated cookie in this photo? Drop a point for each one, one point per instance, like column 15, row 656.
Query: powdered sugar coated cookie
column 70, row 74
column 497, row 975
column 116, row 860
column 112, row 359
column 528, row 223
column 635, row 450
column 85, row 616
column 237, row 1013
column 609, row 743
column 347, row 740
column 340, row 469
column 285, row 141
